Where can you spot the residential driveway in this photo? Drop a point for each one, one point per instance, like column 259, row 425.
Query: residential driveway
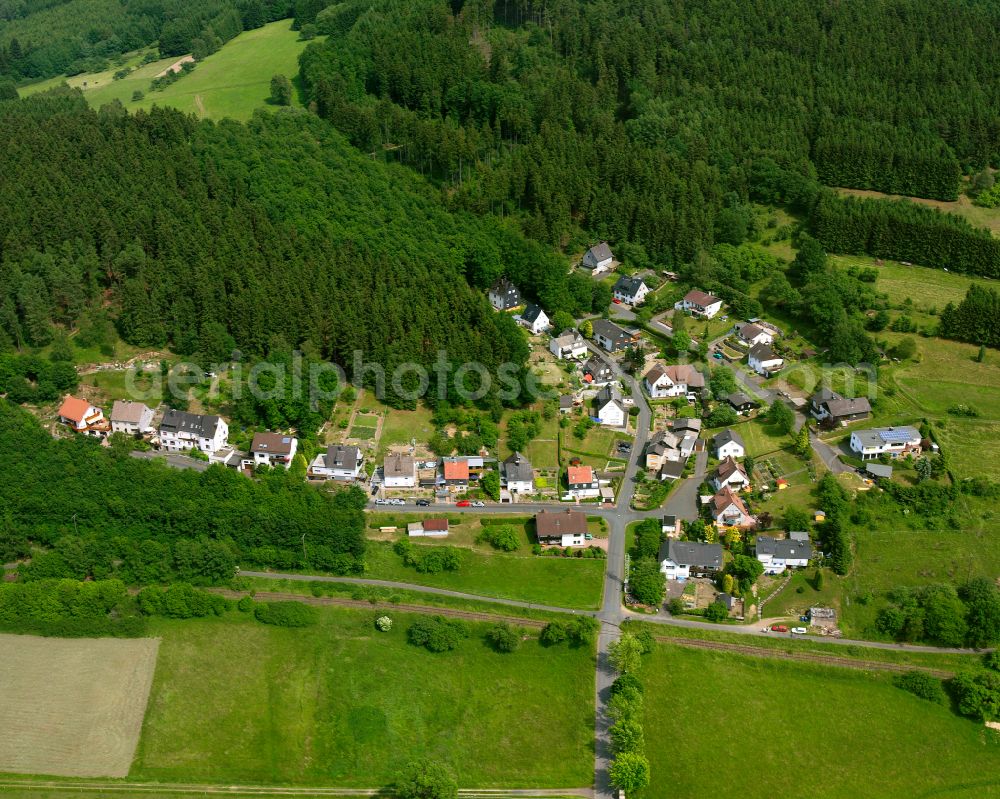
column 622, row 313
column 683, row 502
column 829, row 454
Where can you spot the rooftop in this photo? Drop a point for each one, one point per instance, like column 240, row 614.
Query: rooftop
column 549, row 524
column 272, row 443
column 783, row 548
column 580, row 475
column 692, row 553
column 128, row 411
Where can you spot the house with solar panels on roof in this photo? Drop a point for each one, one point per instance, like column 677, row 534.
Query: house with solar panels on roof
column 895, row 442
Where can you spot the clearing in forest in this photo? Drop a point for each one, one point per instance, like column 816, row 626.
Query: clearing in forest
column 73, row 707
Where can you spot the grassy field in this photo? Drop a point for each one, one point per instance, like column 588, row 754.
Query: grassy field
column 342, row 704
column 761, row 438
column 233, row 82
column 73, row 707
column 562, row 582
column 142, row 386
column 816, row 731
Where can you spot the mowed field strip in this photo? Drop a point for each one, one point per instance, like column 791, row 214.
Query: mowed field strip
column 73, row 707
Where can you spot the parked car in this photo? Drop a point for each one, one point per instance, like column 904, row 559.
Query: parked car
column 423, row 503
column 799, row 630
column 779, row 628
column 462, row 503
column 616, row 301
column 374, row 490
column 717, row 355
column 379, row 501
column 803, row 618
column 479, row 504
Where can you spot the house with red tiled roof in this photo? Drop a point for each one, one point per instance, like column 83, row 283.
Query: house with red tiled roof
column 456, row 472
column 83, row 417
column 582, row 482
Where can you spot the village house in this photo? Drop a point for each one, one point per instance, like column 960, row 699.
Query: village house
column 610, row 407
column 273, row 449
column 728, row 444
column 339, row 462
column 680, row 560
column 399, row 471
column 566, row 403
column 535, row 319
column 661, row 447
column 455, row 472
column 700, row 304
column 764, row 360
column 504, row 295
column 612, row 338
column 750, row 334
column 631, row 290
column 564, row 528
column 676, row 380
column 597, row 372
column 778, row 554
column 598, row 258
column 730, row 473
column 830, row 408
column 582, row 482
column 428, row 528
column 180, row 431
column 741, row 403
column 518, row 475
column 892, row 441
column 131, row 418
column 568, row 344
column 728, row 510
column 83, row 417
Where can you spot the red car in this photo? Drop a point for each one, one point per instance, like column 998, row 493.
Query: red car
column 616, row 301
column 779, row 628
column 462, row 503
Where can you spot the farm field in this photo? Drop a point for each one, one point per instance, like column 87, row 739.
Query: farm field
column 928, row 288
column 343, row 704
column 562, row 582
column 73, row 707
column 233, row 82
column 820, row 732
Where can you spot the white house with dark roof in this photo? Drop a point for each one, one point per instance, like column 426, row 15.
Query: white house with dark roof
column 778, row 554
column 568, row 344
column 598, row 258
column 180, row 431
column 504, row 295
column 730, row 473
column 611, row 337
column 680, row 560
column 675, row 380
column 273, row 449
column 565, row 528
column 631, row 290
column 700, row 304
column 751, row 334
column 597, row 372
column 892, row 441
column 610, row 408
column 728, row 444
column 339, row 462
column 518, row 474
column 764, row 360
column 828, row 406
column 131, row 418
column 535, row 319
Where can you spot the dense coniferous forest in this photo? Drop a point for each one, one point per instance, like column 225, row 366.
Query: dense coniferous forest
column 265, row 237
column 634, row 120
column 101, row 514
column 43, row 38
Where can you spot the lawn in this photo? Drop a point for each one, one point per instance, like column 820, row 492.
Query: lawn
column 141, row 386
column 233, row 82
column 816, row 731
column 234, row 701
column 362, row 432
column 762, row 438
column 561, row 582
column 400, row 427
